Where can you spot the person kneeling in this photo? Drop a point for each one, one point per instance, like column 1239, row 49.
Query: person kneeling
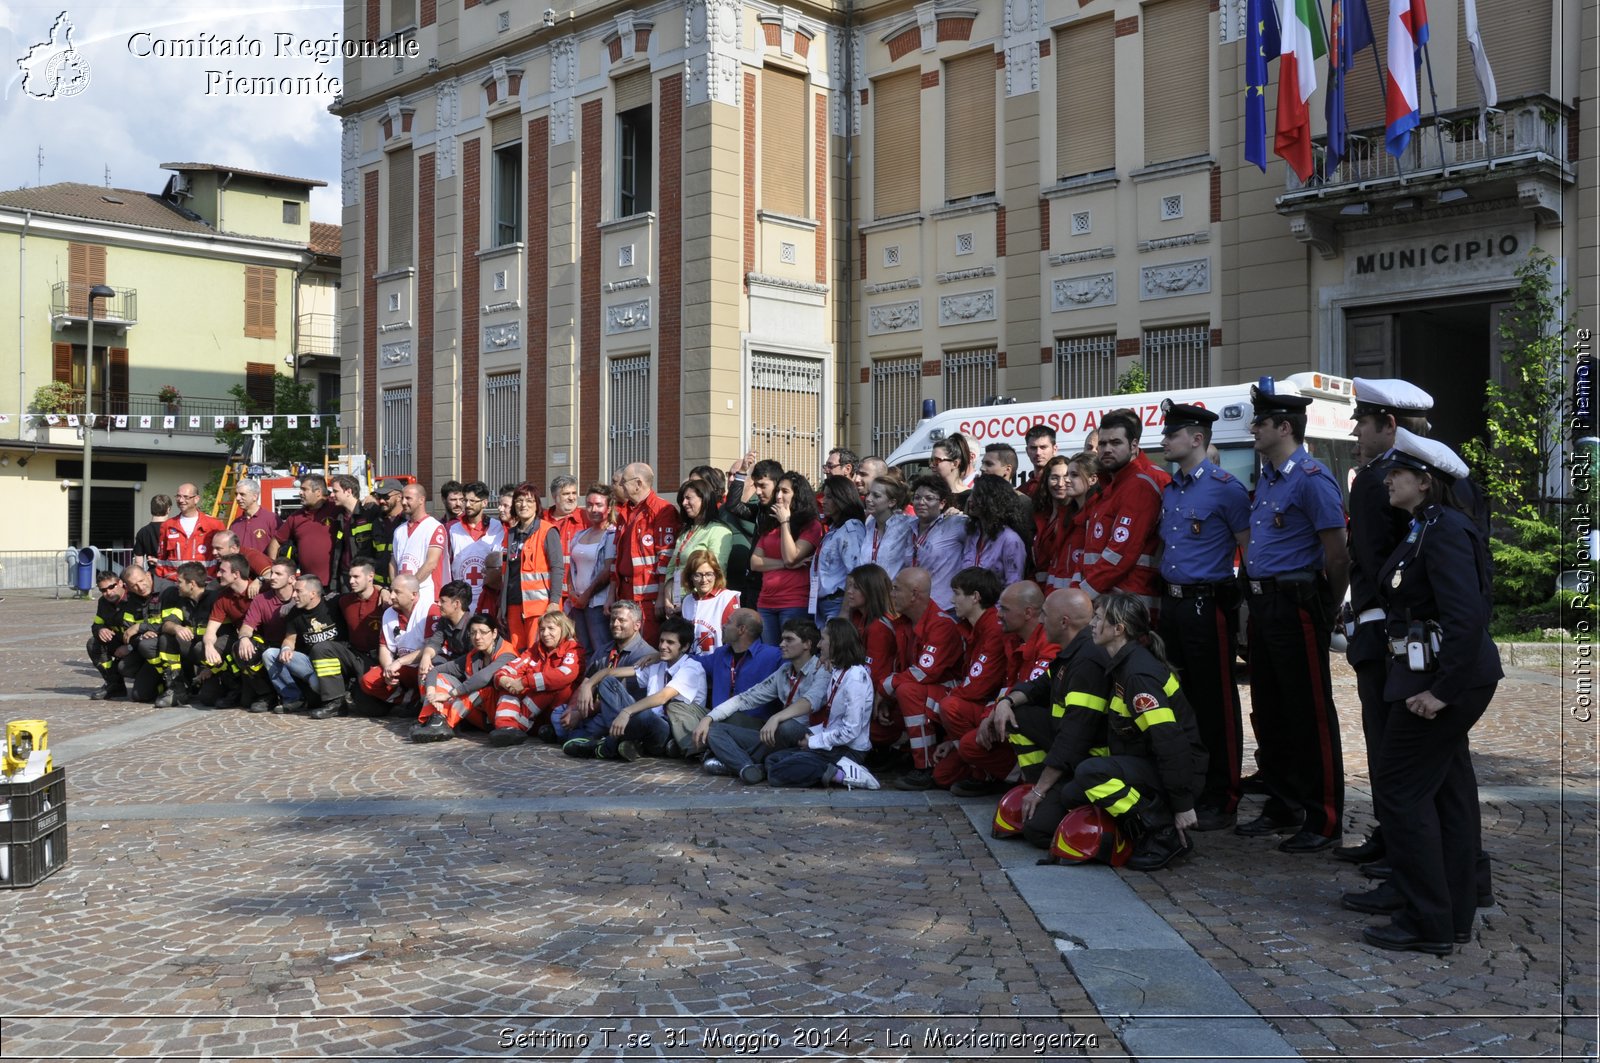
column 471, row 698
column 540, row 680
column 838, row 733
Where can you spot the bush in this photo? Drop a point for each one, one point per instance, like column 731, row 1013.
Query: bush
column 1526, row 560
column 54, row 397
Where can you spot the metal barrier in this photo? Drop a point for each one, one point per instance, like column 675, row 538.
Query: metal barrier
column 52, row 570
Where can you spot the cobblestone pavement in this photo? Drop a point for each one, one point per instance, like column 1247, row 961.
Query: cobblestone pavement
column 270, row 887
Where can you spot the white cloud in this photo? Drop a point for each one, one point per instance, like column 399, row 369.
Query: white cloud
column 140, row 110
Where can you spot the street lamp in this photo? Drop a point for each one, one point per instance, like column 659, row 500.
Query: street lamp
column 98, row 291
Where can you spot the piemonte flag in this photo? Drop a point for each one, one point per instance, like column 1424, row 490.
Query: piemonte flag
column 1261, row 48
column 1297, row 81
column 1350, row 29
column 1408, row 33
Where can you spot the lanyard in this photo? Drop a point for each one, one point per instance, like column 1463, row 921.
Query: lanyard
column 734, row 661
column 877, row 537
column 917, row 541
column 793, row 686
column 982, row 546
column 820, row 714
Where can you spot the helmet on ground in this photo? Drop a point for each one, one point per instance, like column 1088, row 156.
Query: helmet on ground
column 1008, row 817
column 1088, row 833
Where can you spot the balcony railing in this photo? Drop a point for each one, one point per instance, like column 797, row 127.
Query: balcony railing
column 317, row 334
column 1527, row 130
column 70, row 301
column 136, row 406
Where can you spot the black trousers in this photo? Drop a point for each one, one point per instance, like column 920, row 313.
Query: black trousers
column 141, row 668
column 1122, row 785
column 1427, row 799
column 103, row 655
column 1291, row 695
column 1202, row 640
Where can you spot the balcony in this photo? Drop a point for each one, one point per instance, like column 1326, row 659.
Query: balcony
column 69, row 305
column 137, row 406
column 1523, row 159
column 317, row 335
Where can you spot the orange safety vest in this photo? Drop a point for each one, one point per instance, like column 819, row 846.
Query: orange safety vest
column 534, row 571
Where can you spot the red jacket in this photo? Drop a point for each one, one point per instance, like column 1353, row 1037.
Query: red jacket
column 931, row 651
column 543, row 670
column 1124, row 531
column 1031, row 659
column 176, row 547
column 988, row 653
column 644, row 546
column 882, row 640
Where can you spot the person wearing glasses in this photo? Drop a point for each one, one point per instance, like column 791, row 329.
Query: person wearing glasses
column 105, row 637
column 951, row 462
column 187, row 536
column 649, row 531
column 840, row 462
column 939, row 538
column 700, row 530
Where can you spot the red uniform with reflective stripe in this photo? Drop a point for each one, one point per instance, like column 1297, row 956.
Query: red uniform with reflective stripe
column 644, row 547
column 1124, row 525
column 178, row 547
column 933, row 657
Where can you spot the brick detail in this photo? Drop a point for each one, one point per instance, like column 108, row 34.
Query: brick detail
column 1216, row 338
column 1044, row 224
column 430, row 12
column 900, row 44
column 749, row 179
column 1216, row 194
column 1574, row 128
column 930, row 79
column 669, row 336
column 590, row 371
column 470, row 3
column 614, row 49
column 865, row 97
column 491, row 91
column 773, row 33
column 1215, row 5
column 802, row 45
column 471, row 331
column 1000, row 232
column 820, row 128
column 641, row 41
column 1127, row 348
column 513, row 86
column 954, row 29
column 1126, row 27
column 1000, row 359
column 535, row 431
column 866, row 375
column 1047, row 354
column 369, row 313
column 422, row 401
column 863, row 269
column 1044, row 49
column 1000, row 60
column 374, row 19
column 932, row 367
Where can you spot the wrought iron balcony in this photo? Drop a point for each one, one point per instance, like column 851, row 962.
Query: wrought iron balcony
column 136, row 405
column 70, row 303
column 317, row 335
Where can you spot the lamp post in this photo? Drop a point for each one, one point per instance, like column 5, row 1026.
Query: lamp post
column 98, row 291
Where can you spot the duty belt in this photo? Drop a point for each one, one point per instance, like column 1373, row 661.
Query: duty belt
column 1274, row 584
column 1367, row 616
column 1193, row 590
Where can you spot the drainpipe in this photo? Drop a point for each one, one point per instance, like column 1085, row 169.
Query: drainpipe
column 22, row 321
column 294, row 312
column 847, row 288
column 222, row 187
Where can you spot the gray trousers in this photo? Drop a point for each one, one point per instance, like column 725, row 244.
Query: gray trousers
column 738, row 747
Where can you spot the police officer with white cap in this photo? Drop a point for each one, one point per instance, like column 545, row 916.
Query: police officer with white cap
column 1296, row 568
column 1376, row 528
column 1443, row 670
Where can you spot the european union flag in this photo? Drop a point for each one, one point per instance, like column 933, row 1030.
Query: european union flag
column 1351, row 28
column 1261, row 47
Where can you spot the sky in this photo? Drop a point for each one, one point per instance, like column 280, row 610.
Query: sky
column 137, row 108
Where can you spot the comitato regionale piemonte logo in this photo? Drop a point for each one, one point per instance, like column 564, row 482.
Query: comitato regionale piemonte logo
column 53, row 68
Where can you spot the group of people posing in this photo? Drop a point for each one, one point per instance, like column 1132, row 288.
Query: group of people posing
column 1079, row 634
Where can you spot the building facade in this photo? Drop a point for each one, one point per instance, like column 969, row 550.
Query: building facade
column 675, row 232
column 219, row 280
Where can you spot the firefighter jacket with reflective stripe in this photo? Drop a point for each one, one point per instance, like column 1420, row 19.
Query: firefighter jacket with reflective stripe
column 1077, row 688
column 1149, row 717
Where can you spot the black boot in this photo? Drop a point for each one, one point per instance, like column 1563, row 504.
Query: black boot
column 1157, row 843
column 177, row 693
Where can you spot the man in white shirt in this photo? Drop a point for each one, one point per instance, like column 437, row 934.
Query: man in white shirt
column 638, row 727
column 419, row 546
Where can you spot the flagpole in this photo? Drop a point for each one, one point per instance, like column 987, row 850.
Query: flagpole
column 1438, row 133
column 1383, row 94
column 1323, row 23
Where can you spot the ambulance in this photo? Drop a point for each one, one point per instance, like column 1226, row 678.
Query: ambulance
column 1328, row 424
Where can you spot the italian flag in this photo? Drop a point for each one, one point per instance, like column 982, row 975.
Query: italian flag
column 1303, row 45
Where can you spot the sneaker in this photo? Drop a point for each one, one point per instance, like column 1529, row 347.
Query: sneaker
column 582, row 748
column 629, row 750
column 915, row 779
column 751, row 774
column 435, row 730
column 507, row 736
column 853, row 776
column 259, row 705
column 547, row 734
column 713, row 766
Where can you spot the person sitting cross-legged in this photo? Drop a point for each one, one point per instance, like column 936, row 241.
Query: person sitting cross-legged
column 469, row 699
column 538, row 681
column 636, row 726
column 741, row 732
column 836, row 738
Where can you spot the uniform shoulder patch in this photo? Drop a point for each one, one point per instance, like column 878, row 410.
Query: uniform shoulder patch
column 1224, row 476
column 1310, row 467
column 1145, row 703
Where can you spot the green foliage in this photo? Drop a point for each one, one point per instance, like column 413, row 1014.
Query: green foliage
column 1527, row 558
column 1133, row 381
column 280, row 445
column 54, row 397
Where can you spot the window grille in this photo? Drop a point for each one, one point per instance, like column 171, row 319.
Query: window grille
column 630, row 410
column 1086, row 365
column 786, row 410
column 396, row 431
column 502, row 428
column 1178, row 358
column 970, row 377
column 896, row 401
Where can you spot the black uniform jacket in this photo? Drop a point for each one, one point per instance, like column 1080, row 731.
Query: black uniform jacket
column 1077, row 689
column 1376, row 528
column 1149, row 717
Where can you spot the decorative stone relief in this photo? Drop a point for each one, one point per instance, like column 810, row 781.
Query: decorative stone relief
column 714, row 39
column 1063, row 258
column 563, row 85
column 964, row 243
column 502, row 307
column 893, row 286
column 846, row 105
column 957, row 275
column 1079, row 293
column 786, row 282
column 447, row 111
column 928, row 24
column 1175, row 278
column 894, row 317
column 1082, row 225
column 624, row 256
column 395, row 354
column 506, row 337
column 626, row 283
column 1186, row 240
column 972, row 306
column 394, row 326
column 628, row 317
column 891, row 256
column 1023, row 30
column 787, row 253
column 349, row 151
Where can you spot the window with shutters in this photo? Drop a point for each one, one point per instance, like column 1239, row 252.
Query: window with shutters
column 896, row 400
column 1178, row 358
column 1086, row 99
column 260, row 303
column 1177, row 79
column 786, row 410
column 635, row 98
column 86, row 267
column 502, row 428
column 259, row 384
column 1363, row 89
column 109, row 377
column 783, row 142
column 1086, row 365
column 897, row 144
column 969, row 95
column 291, row 212
column 401, row 211
column 1516, row 40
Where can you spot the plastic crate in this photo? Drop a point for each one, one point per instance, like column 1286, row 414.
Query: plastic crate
column 34, row 839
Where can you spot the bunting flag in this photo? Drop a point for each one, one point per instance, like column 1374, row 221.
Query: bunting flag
column 1487, row 94
column 1350, row 31
column 1303, row 45
column 1408, row 32
column 1261, row 48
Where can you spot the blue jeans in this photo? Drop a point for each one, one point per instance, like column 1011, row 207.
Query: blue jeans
column 772, row 621
column 284, row 673
column 611, row 697
column 828, row 608
column 592, row 629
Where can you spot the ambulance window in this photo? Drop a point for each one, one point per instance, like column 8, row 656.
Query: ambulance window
column 1339, row 455
column 1240, row 460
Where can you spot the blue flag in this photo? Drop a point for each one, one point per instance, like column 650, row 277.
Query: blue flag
column 1350, row 31
column 1261, row 48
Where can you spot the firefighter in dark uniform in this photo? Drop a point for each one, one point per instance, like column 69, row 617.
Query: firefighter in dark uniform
column 1376, row 528
column 1443, row 670
column 1205, row 517
column 1058, row 720
column 1296, row 568
column 372, row 530
column 313, row 629
column 141, row 630
column 1156, row 763
column 105, row 637
column 184, row 612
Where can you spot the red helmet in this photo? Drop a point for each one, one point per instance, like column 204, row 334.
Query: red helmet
column 1088, row 833
column 1008, row 817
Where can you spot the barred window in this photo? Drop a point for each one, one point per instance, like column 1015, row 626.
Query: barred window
column 896, row 400
column 395, row 431
column 1178, row 358
column 502, row 428
column 970, row 377
column 630, row 410
column 786, row 410
column 1086, row 365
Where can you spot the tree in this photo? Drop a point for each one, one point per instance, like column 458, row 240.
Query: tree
column 280, row 444
column 1134, row 381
